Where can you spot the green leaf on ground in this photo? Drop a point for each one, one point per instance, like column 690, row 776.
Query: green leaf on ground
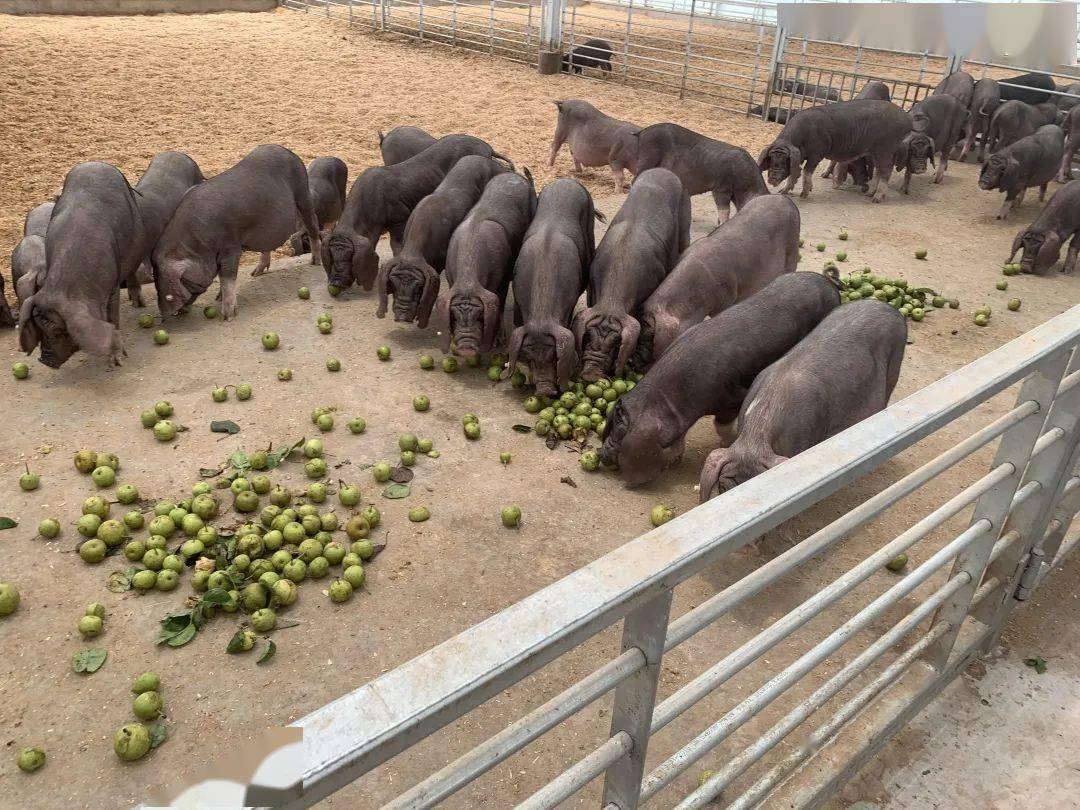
column 1038, row 663
column 184, row 636
column 268, row 653
column 236, row 643
column 396, row 491
column 8, row 523
column 88, row 661
column 225, row 426
column 522, row 428
column 158, row 733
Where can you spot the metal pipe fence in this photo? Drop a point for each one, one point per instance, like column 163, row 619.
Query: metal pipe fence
column 880, row 664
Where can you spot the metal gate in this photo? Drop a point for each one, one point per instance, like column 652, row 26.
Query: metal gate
column 906, row 643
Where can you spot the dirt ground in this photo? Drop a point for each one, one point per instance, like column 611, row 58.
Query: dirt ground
column 121, row 89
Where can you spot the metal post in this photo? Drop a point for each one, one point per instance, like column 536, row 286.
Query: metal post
column 453, row 23
column 922, row 67
column 626, row 39
column 528, row 27
column 1013, row 449
column 375, row 15
column 491, row 27
column 326, row 3
column 779, row 44
column 686, row 54
column 635, row 698
column 1030, row 519
column 551, row 39
column 757, row 68
column 382, row 8
column 420, row 20
column 350, row 13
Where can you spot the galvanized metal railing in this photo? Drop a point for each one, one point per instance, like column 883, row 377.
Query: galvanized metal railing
column 1018, row 516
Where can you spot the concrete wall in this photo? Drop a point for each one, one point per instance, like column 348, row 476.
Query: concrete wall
column 107, row 7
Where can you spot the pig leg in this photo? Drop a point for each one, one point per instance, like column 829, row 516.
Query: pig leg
column 807, row 181
column 397, row 238
column 228, row 269
column 829, row 171
column 577, row 163
column 1042, row 192
column 1005, row 207
column 263, row 265
column 134, row 290
column 906, row 187
column 118, row 349
column 557, row 142
column 1070, row 257
column 727, row 431
column 943, row 163
column 883, row 168
column 619, row 176
column 723, row 205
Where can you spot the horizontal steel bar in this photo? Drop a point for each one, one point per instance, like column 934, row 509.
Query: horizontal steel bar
column 712, row 787
column 718, row 674
column 516, row 736
column 663, row 774
column 753, row 583
column 574, row 779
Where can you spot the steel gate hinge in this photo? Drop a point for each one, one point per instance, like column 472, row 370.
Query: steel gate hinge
column 1030, row 575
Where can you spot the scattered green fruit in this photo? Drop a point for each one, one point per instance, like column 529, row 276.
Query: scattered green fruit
column 210, row 312
column 9, row 598
column 146, row 320
column 897, row 563
column 920, row 254
column 421, row 403
column 30, row 759
column 340, row 591
column 333, row 364
column 161, row 337
column 383, row 353
column 450, row 365
column 304, row 293
column 270, row 340
column 511, row 516
column 427, row 362
column 20, row 371
column 147, row 705
column 418, row 514
column 661, row 514
column 132, row 742
column 1014, row 304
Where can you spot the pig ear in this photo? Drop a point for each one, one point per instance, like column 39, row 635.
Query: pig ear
column 763, row 159
column 931, row 156
column 665, row 331
column 29, row 334
column 580, row 324
column 710, row 473
column 91, row 335
column 327, row 259
column 492, row 316
column 516, row 339
column 1017, row 244
column 631, row 331
column 442, row 319
column 427, row 296
column 795, row 158
column 365, row 263
column 380, row 284
column 565, row 356
column 900, row 157
column 1048, row 251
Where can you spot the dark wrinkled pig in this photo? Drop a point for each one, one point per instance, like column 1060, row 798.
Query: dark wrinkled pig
column 402, row 143
column 985, row 99
column 158, row 193
column 780, row 115
column 841, row 373
column 914, row 152
column 550, row 274
column 1028, row 87
column 842, row 132
column 1071, row 126
column 590, row 134
column 708, row 371
column 798, row 87
column 594, row 53
column 328, row 177
column 862, row 170
column 28, row 258
column 1031, row 161
column 960, row 85
column 7, row 317
column 381, row 199
column 639, row 249
column 941, row 118
column 1042, row 240
column 702, row 164
column 727, row 266
column 412, row 276
column 94, row 244
column 480, row 261
column 1013, row 120
column 252, row 206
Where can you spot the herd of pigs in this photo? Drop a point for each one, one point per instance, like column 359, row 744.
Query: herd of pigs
column 723, row 326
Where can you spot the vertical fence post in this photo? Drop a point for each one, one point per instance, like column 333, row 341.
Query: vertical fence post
column 922, row 67
column 420, row 20
column 686, row 53
column 528, row 30
column 350, row 13
column 626, row 39
column 1013, row 449
column 1051, row 469
column 551, row 36
column 779, row 44
column 375, row 15
column 757, row 68
column 453, row 23
column 382, row 10
column 635, row 698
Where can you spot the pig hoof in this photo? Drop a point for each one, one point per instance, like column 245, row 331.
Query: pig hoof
column 316, row 260
column 258, row 271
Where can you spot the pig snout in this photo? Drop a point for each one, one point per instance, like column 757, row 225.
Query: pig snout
column 406, row 285
column 598, row 352
column 540, row 358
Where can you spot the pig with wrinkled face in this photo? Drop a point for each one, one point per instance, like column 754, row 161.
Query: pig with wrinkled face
column 590, row 134
column 708, row 371
column 639, row 249
column 942, row 118
column 402, row 143
column 381, row 199
column 842, row 132
column 1031, row 161
column 412, row 276
column 480, row 262
column 844, row 371
column 719, row 270
column 702, row 164
column 28, row 258
column 1042, row 240
column 94, row 244
column 328, row 178
column 914, row 152
column 550, row 274
column 960, row 85
column 158, row 193
column 252, row 206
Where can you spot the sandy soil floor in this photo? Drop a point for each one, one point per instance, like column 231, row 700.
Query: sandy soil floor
column 121, row 89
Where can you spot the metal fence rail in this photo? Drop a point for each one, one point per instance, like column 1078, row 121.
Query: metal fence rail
column 950, row 607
